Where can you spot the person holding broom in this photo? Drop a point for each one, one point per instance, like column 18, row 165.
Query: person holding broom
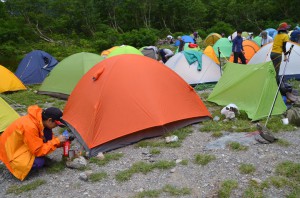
column 279, row 48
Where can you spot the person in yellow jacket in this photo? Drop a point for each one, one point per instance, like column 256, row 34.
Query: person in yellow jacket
column 27, row 140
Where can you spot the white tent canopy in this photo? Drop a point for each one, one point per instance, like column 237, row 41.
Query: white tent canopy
column 292, row 66
column 210, row 71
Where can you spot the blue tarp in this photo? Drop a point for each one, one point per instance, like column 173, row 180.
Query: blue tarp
column 35, row 66
column 186, row 39
column 271, row 32
column 193, row 56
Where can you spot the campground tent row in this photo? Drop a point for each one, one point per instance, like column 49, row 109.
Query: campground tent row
column 147, row 98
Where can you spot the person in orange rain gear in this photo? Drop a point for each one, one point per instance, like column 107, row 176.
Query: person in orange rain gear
column 28, row 139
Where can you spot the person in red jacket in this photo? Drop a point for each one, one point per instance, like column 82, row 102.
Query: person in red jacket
column 28, row 139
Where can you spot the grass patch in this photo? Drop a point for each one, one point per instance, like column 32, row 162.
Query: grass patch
column 29, row 97
column 18, row 189
column 235, row 146
column 217, row 134
column 169, row 189
column 203, row 159
column 231, row 126
column 175, row 191
column 246, row 168
column 289, row 169
column 226, row 188
column 180, row 133
column 295, row 193
column 107, row 158
column 275, row 124
column 203, row 86
column 143, row 167
column 95, row 177
column 56, row 167
column 184, row 162
column 283, row 143
column 155, row 151
column 148, row 193
column 254, row 190
column 278, row 181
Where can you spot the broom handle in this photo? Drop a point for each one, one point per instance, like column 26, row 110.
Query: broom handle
column 281, row 79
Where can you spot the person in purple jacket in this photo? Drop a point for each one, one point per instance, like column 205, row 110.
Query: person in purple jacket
column 237, row 48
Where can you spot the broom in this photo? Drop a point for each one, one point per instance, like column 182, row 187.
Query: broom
column 263, row 131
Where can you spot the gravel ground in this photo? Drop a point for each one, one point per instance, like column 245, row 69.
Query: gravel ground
column 204, row 181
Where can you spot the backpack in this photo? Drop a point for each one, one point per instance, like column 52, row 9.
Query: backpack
column 293, row 114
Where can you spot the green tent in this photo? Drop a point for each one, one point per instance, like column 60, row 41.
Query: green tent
column 257, row 39
column 63, row 78
column 124, row 49
column 7, row 115
column 225, row 47
column 251, row 87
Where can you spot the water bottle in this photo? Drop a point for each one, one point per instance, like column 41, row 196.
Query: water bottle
column 67, row 144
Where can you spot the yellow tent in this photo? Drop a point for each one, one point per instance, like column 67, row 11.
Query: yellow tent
column 7, row 115
column 212, row 38
column 8, row 81
column 209, row 51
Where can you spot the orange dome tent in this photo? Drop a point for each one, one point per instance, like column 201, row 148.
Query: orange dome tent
column 127, row 98
column 250, row 48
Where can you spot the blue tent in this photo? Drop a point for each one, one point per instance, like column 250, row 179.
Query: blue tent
column 35, row 66
column 186, row 39
column 271, row 32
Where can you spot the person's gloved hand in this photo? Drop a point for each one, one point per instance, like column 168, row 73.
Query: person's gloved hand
column 62, row 138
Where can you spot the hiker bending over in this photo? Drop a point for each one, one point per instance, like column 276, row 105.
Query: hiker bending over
column 165, row 54
column 265, row 38
column 27, row 140
column 237, row 48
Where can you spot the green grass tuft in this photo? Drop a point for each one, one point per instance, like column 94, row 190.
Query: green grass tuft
column 247, row 168
column 56, row 167
column 283, row 143
column 217, row 134
column 180, row 133
column 278, row 181
column 107, row 158
column 289, row 169
column 154, row 151
column 143, row 167
column 148, row 193
column 226, row 188
column 95, row 177
column 175, row 191
column 203, row 159
column 184, row 162
column 18, row 189
column 235, row 146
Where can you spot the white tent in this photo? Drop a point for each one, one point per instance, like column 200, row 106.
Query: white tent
column 210, row 71
column 292, row 66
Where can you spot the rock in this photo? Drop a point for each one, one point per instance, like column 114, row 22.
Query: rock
column 173, row 170
column 178, row 161
column 216, row 118
column 100, row 156
column 172, row 138
column 77, row 163
column 258, row 181
column 83, row 176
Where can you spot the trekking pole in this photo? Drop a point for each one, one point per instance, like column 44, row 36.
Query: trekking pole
column 219, row 52
column 281, row 79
